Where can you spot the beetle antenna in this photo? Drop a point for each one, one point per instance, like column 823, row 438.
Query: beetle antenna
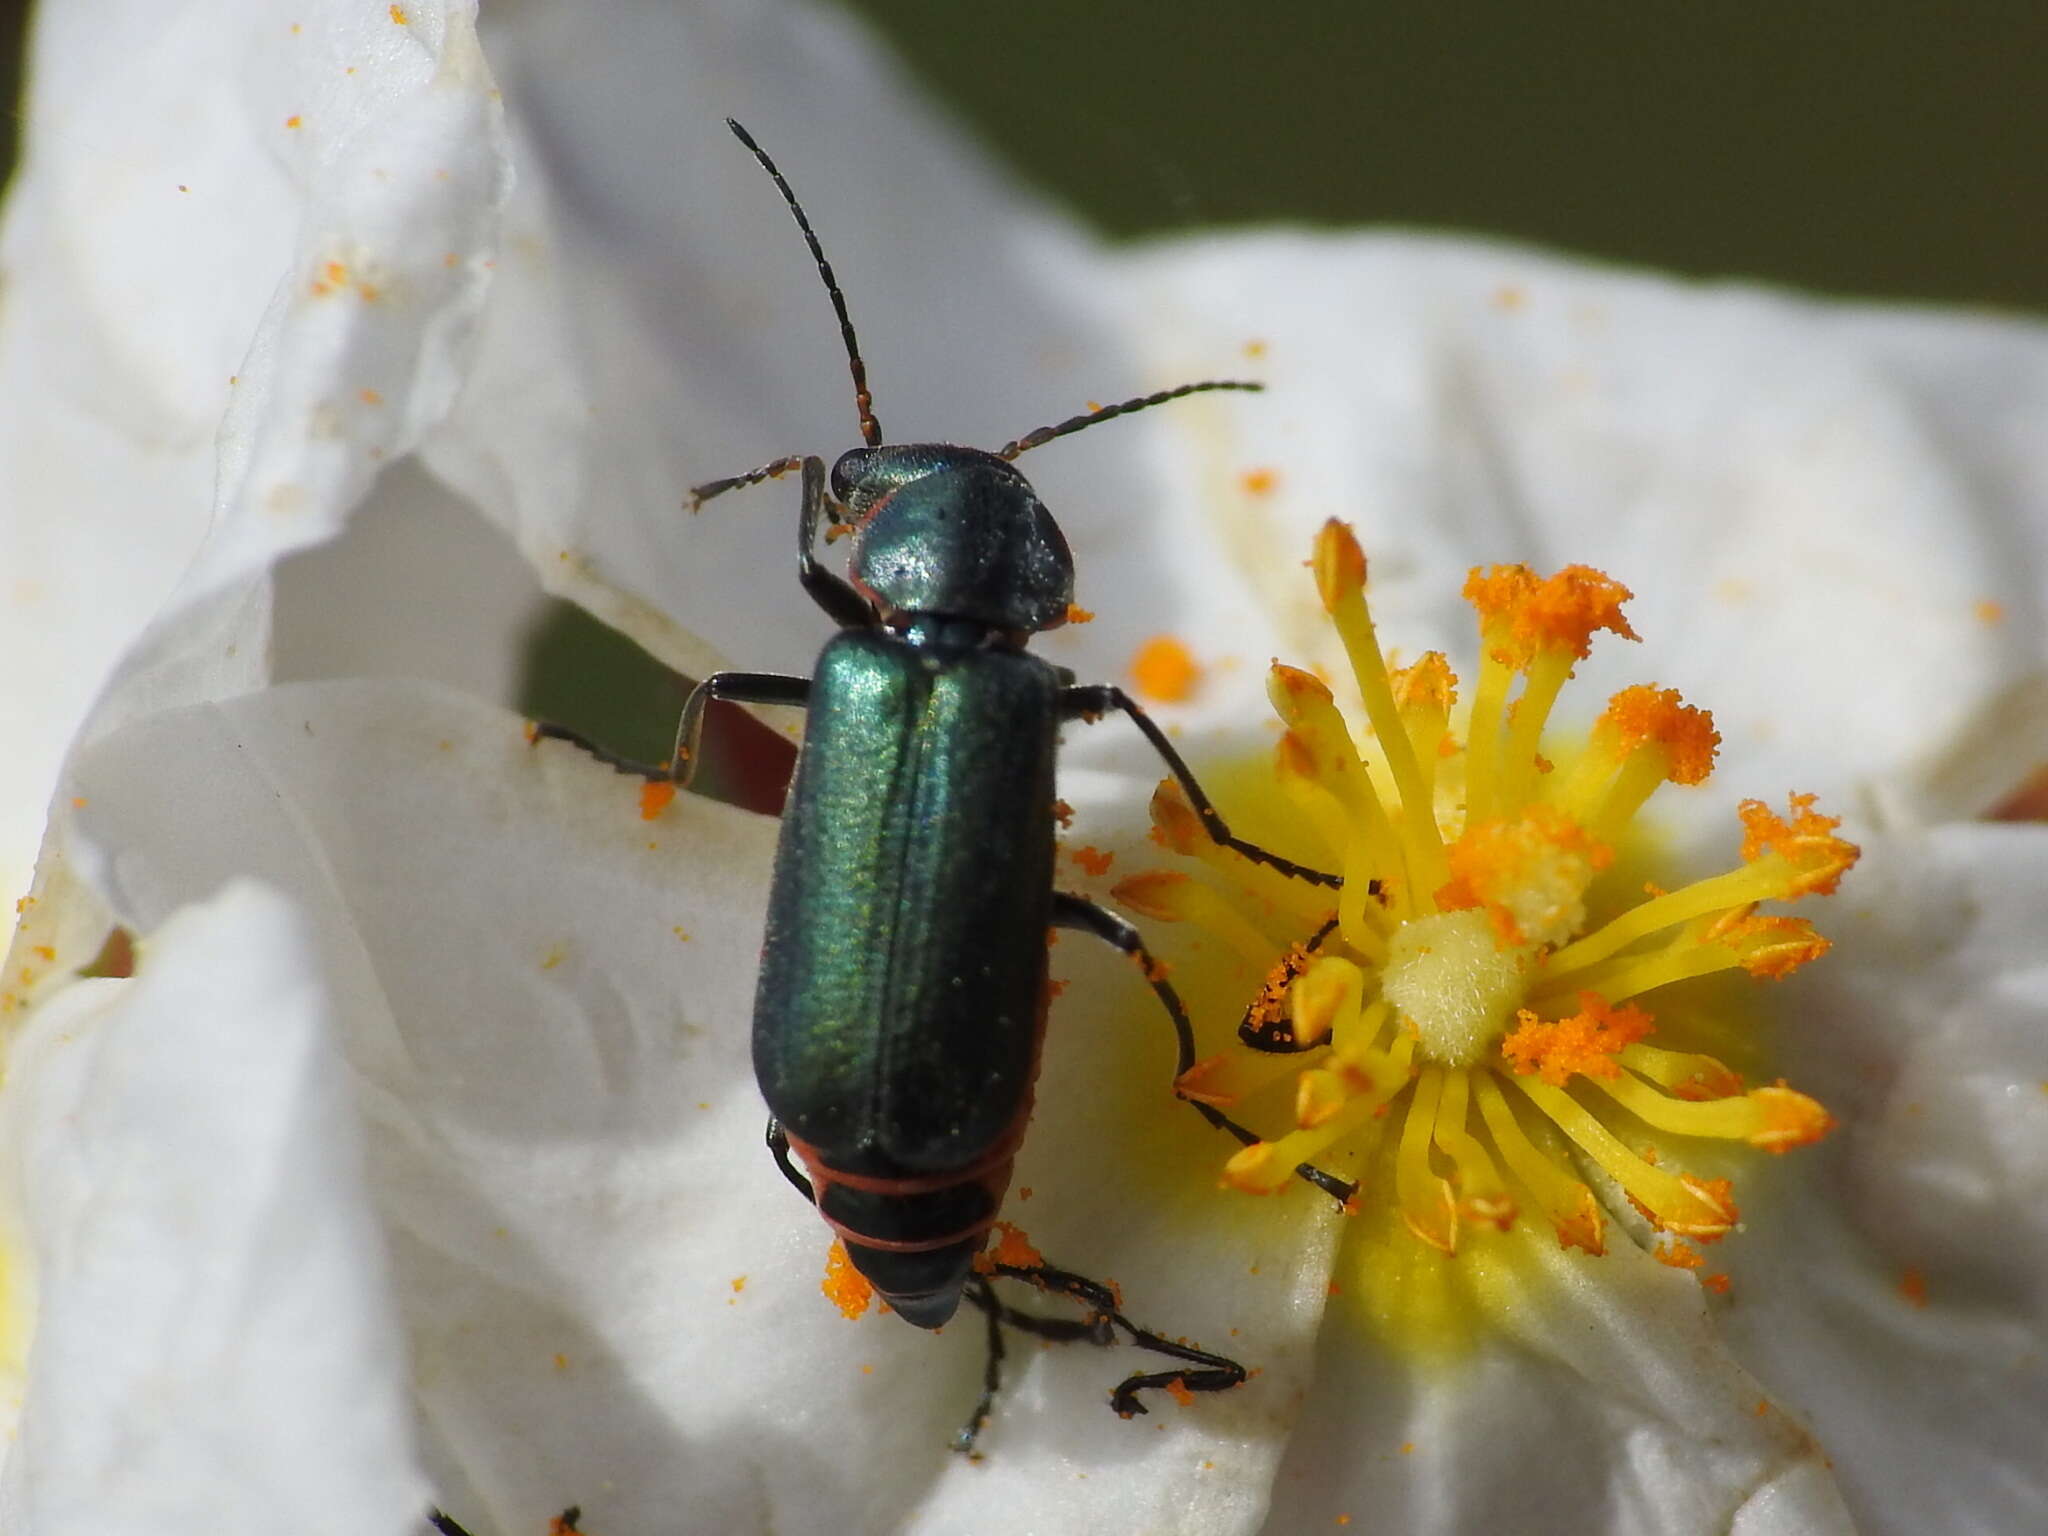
column 870, row 429
column 1045, row 435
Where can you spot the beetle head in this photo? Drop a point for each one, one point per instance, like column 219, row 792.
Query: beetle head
column 955, row 532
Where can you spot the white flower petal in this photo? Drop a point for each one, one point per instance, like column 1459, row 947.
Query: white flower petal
column 337, row 175
column 658, row 322
column 1922, row 1033
column 215, row 1349
column 1604, row 1403
column 1809, row 521
column 566, row 1145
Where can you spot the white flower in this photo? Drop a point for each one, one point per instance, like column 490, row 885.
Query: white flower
column 420, row 1157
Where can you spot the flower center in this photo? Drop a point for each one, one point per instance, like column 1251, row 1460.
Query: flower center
column 1447, row 974
column 1461, row 1028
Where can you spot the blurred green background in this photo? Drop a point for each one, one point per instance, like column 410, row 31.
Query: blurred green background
column 1889, row 150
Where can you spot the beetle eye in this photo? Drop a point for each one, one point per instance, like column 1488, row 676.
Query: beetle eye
column 847, row 470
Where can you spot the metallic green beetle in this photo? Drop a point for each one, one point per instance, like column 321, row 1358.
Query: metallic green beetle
column 903, row 981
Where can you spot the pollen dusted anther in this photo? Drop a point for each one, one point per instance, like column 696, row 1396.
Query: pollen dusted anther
column 1483, row 1015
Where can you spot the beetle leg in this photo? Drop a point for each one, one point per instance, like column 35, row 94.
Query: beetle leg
column 778, row 1148
column 1091, row 700
column 739, row 688
column 982, row 1296
column 1105, row 1319
column 1072, row 911
column 837, row 596
column 833, row 593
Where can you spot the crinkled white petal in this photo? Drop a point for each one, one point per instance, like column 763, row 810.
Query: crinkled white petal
column 1831, row 515
column 657, row 321
column 215, row 1348
column 1923, row 1034
column 1604, row 1403
column 287, row 219
column 612, row 1296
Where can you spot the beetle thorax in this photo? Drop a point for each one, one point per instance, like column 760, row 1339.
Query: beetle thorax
column 956, row 532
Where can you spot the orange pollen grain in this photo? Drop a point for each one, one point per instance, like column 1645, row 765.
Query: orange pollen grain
column 1585, row 1043
column 1164, row 670
column 1521, row 613
column 1772, row 947
column 398, row 15
column 1644, row 716
column 844, row 1286
column 654, row 798
column 1093, row 861
column 1678, row 1255
column 1011, row 1248
column 1271, row 1000
column 1427, row 684
column 1177, row 1389
column 1259, row 482
column 1803, row 838
column 1496, row 858
column 1076, row 614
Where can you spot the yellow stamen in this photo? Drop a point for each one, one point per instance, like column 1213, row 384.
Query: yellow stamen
column 1168, row 896
column 1565, row 1200
column 1424, row 1195
column 1483, row 1197
column 1775, row 1119
column 1463, row 956
column 1340, row 581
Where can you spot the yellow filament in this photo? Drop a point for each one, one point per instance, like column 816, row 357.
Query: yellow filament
column 1183, row 833
column 1236, row 1076
column 1482, row 742
column 1315, row 722
column 1423, row 1194
column 1641, row 772
column 1318, row 804
column 1190, row 901
column 1630, row 975
column 1547, row 674
column 1357, row 1034
column 1424, row 728
column 1688, row 1073
column 1766, row 878
column 1485, row 1197
column 1663, row 1194
column 1420, row 840
column 1360, row 918
column 1732, row 1119
column 1564, row 1199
